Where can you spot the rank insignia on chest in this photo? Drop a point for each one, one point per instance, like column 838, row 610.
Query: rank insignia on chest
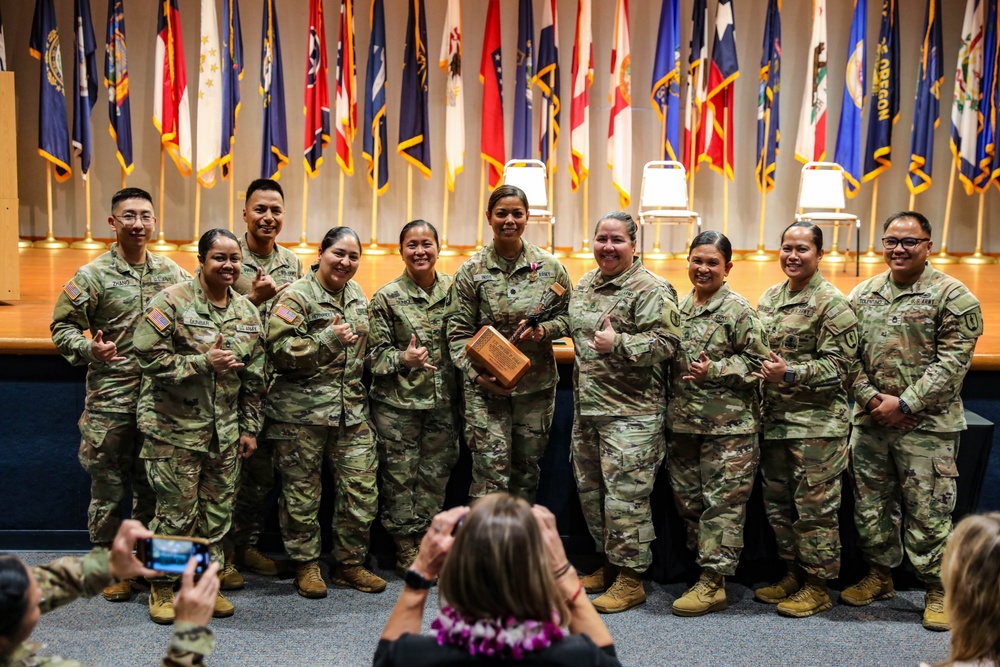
column 895, row 319
column 72, row 291
column 533, row 277
column 286, row 314
column 158, row 319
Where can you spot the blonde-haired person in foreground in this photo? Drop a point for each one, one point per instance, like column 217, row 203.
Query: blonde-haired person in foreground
column 970, row 572
column 508, row 594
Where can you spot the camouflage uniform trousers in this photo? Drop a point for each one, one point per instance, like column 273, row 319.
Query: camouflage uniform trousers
column 507, row 438
column 252, row 491
column 712, row 477
column 615, row 460
column 194, row 491
column 349, row 452
column 802, row 485
column 417, row 450
column 109, row 451
column 904, row 479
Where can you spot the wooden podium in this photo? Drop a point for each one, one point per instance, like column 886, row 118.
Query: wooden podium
column 10, row 269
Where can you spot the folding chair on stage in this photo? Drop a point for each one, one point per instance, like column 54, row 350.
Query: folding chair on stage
column 821, row 201
column 532, row 177
column 664, row 199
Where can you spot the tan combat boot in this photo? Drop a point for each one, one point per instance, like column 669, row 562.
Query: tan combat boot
column 706, row 596
column 358, row 577
column 811, row 599
column 249, row 558
column 120, row 592
column 309, row 582
column 406, row 553
column 223, row 607
column 230, row 579
column 161, row 602
column 935, row 617
column 877, row 585
column 625, row 593
column 599, row 580
column 775, row 593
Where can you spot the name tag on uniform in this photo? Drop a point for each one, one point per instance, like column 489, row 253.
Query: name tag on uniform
column 193, row 321
column 482, row 277
column 871, row 302
column 124, row 282
column 546, row 274
column 321, row 315
column 248, row 328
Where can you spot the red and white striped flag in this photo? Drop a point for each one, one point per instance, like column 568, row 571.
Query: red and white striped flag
column 579, row 109
column 346, row 104
column 810, row 143
column 620, row 127
column 171, row 110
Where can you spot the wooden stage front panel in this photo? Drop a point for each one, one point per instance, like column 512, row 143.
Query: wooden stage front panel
column 24, row 324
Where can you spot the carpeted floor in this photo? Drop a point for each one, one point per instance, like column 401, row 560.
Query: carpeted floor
column 274, row 626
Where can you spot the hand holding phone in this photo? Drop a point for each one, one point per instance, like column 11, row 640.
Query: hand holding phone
column 171, row 554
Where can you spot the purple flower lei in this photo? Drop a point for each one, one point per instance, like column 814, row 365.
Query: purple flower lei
column 496, row 637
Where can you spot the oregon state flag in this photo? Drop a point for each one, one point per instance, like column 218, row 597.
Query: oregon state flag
column 491, row 75
column 722, row 74
column 375, row 123
column 414, row 128
column 53, row 130
column 232, row 74
column 884, row 111
column 317, row 95
column 847, row 152
column 116, row 81
column 768, row 133
column 665, row 95
column 927, row 105
column 274, row 147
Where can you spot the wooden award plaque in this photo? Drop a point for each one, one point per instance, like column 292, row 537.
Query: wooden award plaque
column 490, row 351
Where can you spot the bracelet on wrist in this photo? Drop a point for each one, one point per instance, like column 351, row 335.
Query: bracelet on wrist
column 572, row 599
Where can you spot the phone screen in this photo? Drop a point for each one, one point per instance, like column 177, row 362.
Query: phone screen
column 169, row 555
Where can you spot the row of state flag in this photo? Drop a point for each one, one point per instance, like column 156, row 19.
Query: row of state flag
column 708, row 123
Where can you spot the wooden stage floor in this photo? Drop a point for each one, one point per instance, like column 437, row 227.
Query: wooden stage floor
column 24, row 324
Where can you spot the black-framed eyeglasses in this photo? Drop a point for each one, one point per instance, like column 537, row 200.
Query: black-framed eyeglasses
column 890, row 242
column 130, row 219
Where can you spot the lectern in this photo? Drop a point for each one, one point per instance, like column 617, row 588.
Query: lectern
column 10, row 273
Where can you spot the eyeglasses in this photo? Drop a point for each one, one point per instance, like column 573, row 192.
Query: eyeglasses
column 890, row 242
column 130, row 219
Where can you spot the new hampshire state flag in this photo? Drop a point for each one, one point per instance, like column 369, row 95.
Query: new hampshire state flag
column 53, row 130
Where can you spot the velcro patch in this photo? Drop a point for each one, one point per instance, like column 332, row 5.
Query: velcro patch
column 248, row 328
column 72, row 291
column 158, row 319
column 286, row 313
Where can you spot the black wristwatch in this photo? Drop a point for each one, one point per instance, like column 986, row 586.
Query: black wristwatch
column 417, row 581
column 904, row 408
column 789, row 375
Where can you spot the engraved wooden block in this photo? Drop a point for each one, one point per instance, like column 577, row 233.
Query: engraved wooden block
column 490, row 351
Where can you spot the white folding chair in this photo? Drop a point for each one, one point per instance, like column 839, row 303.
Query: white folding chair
column 821, row 201
column 663, row 199
column 532, row 177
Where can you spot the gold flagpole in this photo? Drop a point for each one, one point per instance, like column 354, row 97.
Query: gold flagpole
column 550, row 167
column 161, row 244
column 691, row 144
column 445, row 250
column 232, row 195
column 482, row 207
column 725, row 176
column 760, row 255
column 374, row 248
column 977, row 257
column 409, row 193
column 88, row 242
column 585, row 252
column 657, row 253
column 193, row 246
column 872, row 257
column 49, row 242
column 303, row 247
column 942, row 256
column 340, row 201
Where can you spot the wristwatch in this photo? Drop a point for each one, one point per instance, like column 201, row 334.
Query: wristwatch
column 904, row 408
column 789, row 375
column 417, row 581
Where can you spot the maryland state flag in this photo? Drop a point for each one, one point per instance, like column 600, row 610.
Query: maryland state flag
column 768, row 132
column 274, row 148
column 722, row 74
column 884, row 110
column 968, row 86
column 84, row 82
column 579, row 107
column 926, row 107
column 694, row 103
column 520, row 143
column 346, row 109
column 547, row 79
column 171, row 111
column 375, row 123
column 53, row 131
column 414, row 129
column 848, row 150
column 232, row 74
column 317, row 95
column 665, row 95
column 491, row 76
column 116, row 81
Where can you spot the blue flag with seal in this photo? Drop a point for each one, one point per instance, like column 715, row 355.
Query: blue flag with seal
column 927, row 105
column 884, row 111
column 375, row 124
column 274, row 153
column 53, row 130
column 116, row 81
column 665, row 93
column 547, row 79
column 848, row 150
column 768, row 95
column 84, row 82
column 414, row 129
column 985, row 143
column 232, row 74
column 520, row 148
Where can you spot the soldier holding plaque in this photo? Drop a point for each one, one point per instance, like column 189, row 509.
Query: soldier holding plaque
column 503, row 285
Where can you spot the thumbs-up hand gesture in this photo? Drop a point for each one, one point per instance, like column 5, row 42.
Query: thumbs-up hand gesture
column 604, row 339
column 343, row 331
column 698, row 370
column 106, row 351
column 416, row 357
column 222, row 360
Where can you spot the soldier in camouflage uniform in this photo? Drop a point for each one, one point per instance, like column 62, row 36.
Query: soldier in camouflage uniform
column 501, row 285
column 713, row 417
column 917, row 331
column 106, row 298
column 413, row 392
column 26, row 593
column 814, row 339
column 200, row 345
column 268, row 268
column 625, row 325
column 317, row 334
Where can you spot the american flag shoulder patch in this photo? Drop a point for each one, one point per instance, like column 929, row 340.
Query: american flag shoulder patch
column 158, row 319
column 72, row 291
column 286, row 314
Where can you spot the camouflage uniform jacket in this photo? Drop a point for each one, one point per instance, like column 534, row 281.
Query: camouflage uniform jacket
column 317, row 379
column 726, row 328
column 815, row 331
column 631, row 380
column 108, row 295
column 71, row 577
column 917, row 346
column 397, row 311
column 186, row 402
column 282, row 264
column 483, row 294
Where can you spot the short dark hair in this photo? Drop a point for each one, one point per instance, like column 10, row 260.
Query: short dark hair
column 335, row 235
column 413, row 224
column 505, row 190
column 130, row 193
column 717, row 239
column 207, row 240
column 620, row 216
column 924, row 223
column 14, row 584
column 817, row 233
column 264, row 184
